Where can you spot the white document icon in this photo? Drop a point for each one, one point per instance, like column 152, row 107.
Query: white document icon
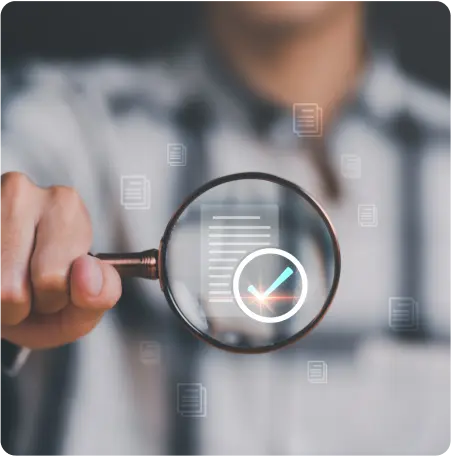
column 229, row 233
column 351, row 166
column 191, row 400
column 307, row 120
column 150, row 352
column 403, row 314
column 176, row 155
column 317, row 372
column 367, row 215
column 135, row 192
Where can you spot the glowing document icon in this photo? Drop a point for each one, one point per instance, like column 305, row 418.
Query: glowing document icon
column 229, row 233
column 403, row 314
column 176, row 155
column 367, row 215
column 150, row 352
column 351, row 166
column 191, row 400
column 135, row 192
column 307, row 120
column 317, row 372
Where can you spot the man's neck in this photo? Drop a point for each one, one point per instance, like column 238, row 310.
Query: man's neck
column 318, row 63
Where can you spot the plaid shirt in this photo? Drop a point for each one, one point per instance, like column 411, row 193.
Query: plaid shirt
column 88, row 125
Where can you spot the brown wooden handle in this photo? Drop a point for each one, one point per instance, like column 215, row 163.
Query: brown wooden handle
column 137, row 264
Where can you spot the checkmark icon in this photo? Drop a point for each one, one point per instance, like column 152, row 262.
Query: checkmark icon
column 276, row 284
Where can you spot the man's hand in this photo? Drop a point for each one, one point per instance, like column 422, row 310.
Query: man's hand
column 52, row 291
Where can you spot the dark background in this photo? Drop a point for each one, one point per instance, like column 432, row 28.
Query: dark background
column 418, row 31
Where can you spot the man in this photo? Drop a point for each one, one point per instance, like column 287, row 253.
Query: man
column 72, row 131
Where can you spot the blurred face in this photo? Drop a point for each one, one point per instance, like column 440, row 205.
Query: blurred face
column 284, row 13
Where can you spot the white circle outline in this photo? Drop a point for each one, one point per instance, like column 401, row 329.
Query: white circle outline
column 236, row 289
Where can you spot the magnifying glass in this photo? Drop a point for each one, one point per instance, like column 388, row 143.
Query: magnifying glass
column 250, row 262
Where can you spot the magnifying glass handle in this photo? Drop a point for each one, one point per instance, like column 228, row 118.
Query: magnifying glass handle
column 136, row 264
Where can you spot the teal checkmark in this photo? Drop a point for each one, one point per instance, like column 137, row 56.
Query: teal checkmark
column 276, row 284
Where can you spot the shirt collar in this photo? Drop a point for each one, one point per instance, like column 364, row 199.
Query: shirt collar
column 379, row 95
column 382, row 87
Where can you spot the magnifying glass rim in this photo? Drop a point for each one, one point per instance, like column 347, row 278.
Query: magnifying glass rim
column 163, row 273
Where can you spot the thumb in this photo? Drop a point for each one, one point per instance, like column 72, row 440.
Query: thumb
column 94, row 286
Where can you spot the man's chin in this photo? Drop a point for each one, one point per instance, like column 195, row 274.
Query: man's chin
column 280, row 13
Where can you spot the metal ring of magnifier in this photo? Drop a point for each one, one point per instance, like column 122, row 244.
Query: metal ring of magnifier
column 163, row 273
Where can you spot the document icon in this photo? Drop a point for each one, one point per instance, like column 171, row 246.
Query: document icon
column 135, row 192
column 307, row 120
column 229, row 232
column 351, row 166
column 176, row 155
column 150, row 352
column 317, row 372
column 403, row 314
column 191, row 400
column 367, row 215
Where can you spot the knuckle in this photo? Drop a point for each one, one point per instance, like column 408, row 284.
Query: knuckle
column 66, row 196
column 69, row 205
column 15, row 305
column 48, row 282
column 15, row 180
column 16, row 188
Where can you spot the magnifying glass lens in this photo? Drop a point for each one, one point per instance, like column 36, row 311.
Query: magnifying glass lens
column 250, row 263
